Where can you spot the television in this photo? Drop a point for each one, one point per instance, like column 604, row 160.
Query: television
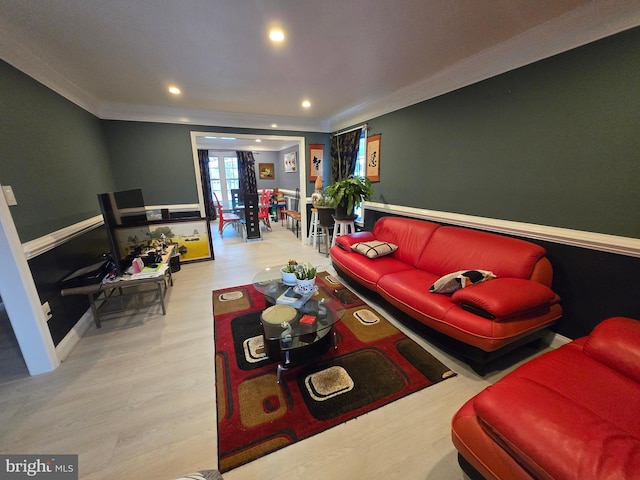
column 125, row 219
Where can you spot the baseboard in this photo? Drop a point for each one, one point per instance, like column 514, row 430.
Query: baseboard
column 71, row 339
column 556, row 340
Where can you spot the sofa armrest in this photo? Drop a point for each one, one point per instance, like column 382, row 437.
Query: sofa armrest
column 504, row 297
column 346, row 241
column 615, row 342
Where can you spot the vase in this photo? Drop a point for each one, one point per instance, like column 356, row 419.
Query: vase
column 288, row 278
column 306, row 286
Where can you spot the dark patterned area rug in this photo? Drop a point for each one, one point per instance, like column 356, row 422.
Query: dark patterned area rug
column 374, row 364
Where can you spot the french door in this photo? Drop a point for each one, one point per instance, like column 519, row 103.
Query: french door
column 223, row 172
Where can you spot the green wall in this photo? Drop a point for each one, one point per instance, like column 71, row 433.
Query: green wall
column 53, row 154
column 553, row 143
column 157, row 157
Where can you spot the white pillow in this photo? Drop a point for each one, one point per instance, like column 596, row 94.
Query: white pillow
column 455, row 281
column 374, row 248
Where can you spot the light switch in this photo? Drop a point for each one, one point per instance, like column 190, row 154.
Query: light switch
column 8, row 194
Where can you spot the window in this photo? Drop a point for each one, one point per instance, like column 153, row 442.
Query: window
column 360, row 170
column 224, row 179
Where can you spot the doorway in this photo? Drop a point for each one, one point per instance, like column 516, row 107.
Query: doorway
column 228, row 143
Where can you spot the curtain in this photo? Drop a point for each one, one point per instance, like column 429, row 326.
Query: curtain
column 344, row 154
column 209, row 207
column 247, row 172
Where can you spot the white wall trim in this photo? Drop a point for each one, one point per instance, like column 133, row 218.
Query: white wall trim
column 43, row 244
column 577, row 238
column 40, row 245
column 71, row 339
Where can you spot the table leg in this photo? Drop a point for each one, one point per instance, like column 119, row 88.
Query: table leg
column 94, row 310
column 283, row 367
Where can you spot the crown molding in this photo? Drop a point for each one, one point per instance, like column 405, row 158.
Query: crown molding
column 598, row 19
column 147, row 113
column 22, row 58
column 587, row 24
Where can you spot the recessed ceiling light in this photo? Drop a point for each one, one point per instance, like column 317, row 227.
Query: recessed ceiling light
column 306, row 103
column 276, row 35
column 227, row 138
column 274, row 125
column 174, row 90
column 258, row 140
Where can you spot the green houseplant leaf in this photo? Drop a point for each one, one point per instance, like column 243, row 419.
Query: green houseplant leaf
column 350, row 192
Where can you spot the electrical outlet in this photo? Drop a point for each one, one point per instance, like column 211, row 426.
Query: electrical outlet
column 8, row 193
column 47, row 310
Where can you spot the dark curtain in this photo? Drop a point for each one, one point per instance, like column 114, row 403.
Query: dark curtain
column 344, row 154
column 209, row 206
column 247, row 172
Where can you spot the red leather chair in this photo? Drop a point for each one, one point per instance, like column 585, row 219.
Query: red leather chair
column 265, row 205
column 225, row 218
column 572, row 413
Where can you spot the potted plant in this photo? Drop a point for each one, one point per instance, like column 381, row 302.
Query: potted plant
column 305, row 279
column 349, row 193
column 288, row 272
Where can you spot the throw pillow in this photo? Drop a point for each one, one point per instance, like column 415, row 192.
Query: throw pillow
column 374, row 248
column 457, row 280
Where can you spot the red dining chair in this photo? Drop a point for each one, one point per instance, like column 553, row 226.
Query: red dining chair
column 225, row 218
column 265, row 206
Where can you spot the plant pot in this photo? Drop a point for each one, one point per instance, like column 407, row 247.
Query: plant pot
column 288, row 278
column 325, row 217
column 341, row 212
column 307, row 286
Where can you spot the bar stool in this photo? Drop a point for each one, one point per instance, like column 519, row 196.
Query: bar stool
column 314, row 228
column 342, row 227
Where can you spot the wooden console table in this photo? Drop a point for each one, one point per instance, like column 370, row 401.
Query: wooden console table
column 101, row 294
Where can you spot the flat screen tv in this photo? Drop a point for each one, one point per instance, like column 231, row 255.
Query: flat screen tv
column 125, row 218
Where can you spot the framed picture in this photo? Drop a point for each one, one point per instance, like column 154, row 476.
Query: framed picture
column 192, row 237
column 316, row 161
column 373, row 158
column 266, row 171
column 291, row 162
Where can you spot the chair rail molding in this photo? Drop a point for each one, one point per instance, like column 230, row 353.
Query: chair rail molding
column 595, row 241
column 43, row 244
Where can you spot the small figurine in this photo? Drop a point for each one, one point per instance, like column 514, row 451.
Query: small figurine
column 285, row 336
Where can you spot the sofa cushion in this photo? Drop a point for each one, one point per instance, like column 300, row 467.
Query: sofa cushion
column 455, row 281
column 505, row 297
column 453, row 248
column 554, row 437
column 374, row 248
column 366, row 271
column 615, row 342
column 411, row 236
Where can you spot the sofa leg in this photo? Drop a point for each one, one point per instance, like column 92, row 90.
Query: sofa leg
column 479, row 367
column 467, row 468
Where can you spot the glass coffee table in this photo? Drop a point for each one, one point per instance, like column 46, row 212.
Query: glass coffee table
column 306, row 329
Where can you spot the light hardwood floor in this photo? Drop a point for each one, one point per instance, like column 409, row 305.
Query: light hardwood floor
column 136, row 398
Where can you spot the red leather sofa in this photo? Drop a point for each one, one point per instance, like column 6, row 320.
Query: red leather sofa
column 486, row 317
column 572, row 413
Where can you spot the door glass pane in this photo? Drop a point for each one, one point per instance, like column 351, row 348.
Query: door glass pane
column 231, row 172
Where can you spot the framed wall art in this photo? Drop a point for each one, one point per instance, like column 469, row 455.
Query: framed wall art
column 291, row 162
column 373, row 158
column 316, row 161
column 266, row 171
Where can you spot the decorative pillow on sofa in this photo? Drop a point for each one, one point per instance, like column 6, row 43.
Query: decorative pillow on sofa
column 374, row 248
column 457, row 280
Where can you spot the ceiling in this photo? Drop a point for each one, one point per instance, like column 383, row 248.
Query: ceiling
column 352, row 59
